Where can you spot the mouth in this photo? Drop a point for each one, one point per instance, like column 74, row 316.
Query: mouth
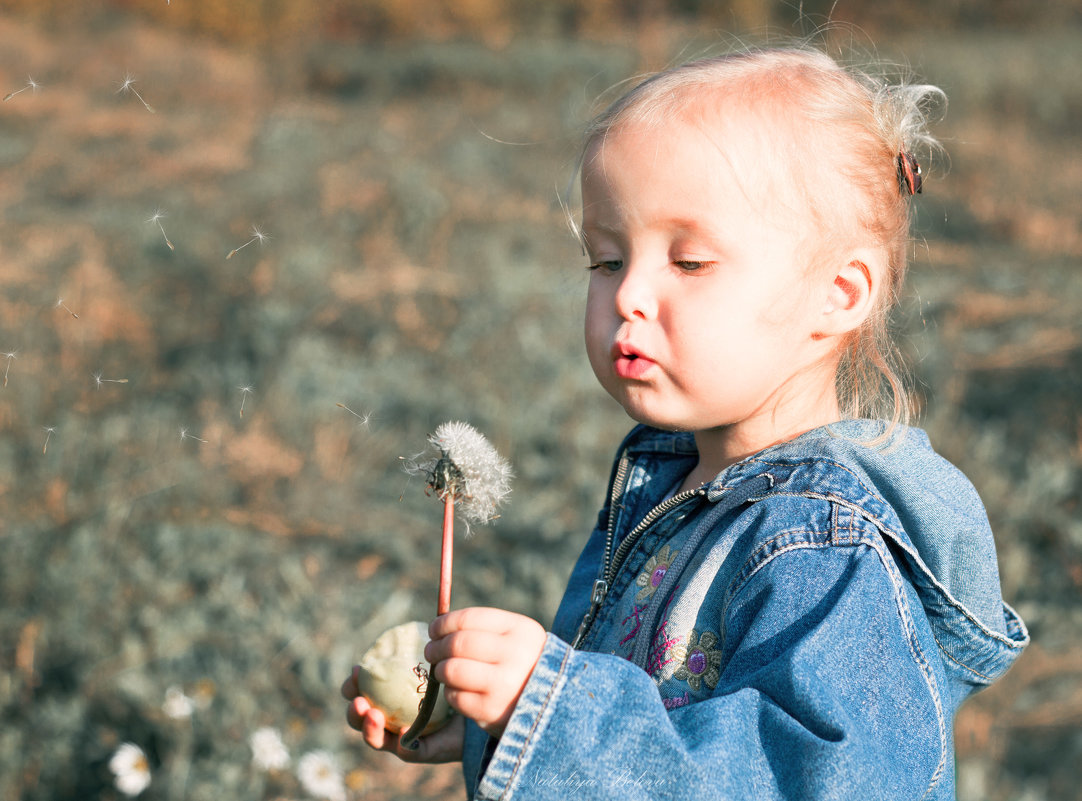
column 630, row 363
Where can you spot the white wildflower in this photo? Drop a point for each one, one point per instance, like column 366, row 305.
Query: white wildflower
column 319, row 775
column 467, row 466
column 268, row 750
column 130, row 768
column 177, row 705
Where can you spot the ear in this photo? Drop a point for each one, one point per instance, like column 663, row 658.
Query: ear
column 851, row 296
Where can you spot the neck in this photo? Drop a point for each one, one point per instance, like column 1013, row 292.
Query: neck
column 726, row 445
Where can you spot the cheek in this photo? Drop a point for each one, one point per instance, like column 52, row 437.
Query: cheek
column 596, row 327
column 783, row 307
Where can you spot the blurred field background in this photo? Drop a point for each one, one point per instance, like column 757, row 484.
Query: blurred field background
column 186, row 508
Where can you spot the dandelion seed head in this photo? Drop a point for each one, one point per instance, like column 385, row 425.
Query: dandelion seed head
column 261, row 235
column 482, row 476
column 131, row 770
column 320, row 776
column 158, row 214
column 268, row 750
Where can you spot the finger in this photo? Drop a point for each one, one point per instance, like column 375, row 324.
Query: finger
column 481, row 618
column 443, row 745
column 349, row 686
column 467, row 703
column 476, row 706
column 374, row 726
column 480, row 646
column 465, row 675
column 357, row 712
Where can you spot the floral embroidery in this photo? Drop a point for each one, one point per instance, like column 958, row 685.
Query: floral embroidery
column 700, row 659
column 654, row 571
column 663, row 646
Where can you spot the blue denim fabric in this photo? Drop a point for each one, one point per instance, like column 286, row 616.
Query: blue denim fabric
column 820, row 611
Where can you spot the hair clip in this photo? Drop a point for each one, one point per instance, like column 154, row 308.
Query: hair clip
column 909, row 176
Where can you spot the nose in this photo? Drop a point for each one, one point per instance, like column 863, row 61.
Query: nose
column 636, row 295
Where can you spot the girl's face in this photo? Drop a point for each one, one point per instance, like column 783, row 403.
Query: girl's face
column 701, row 314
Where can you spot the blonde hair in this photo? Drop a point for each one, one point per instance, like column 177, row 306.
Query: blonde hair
column 841, row 166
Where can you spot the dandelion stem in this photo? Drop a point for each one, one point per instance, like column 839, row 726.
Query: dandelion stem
column 424, row 714
column 443, row 606
column 443, row 603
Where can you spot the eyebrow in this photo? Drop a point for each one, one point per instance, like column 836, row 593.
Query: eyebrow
column 688, row 225
column 682, row 224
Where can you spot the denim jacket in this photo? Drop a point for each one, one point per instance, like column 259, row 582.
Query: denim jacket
column 803, row 627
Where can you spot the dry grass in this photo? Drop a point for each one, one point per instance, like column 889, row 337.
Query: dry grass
column 419, row 271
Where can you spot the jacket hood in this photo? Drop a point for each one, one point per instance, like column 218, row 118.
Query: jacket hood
column 926, row 509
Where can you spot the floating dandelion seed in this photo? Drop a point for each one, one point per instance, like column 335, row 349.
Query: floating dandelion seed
column 461, row 467
column 257, row 235
column 48, row 433
column 98, row 380
column 244, row 393
column 131, row 770
column 319, row 775
column 129, row 86
column 61, row 305
column 7, row 368
column 185, row 435
column 364, row 418
column 157, row 218
column 30, row 84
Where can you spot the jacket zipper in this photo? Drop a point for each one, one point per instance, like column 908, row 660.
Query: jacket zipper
column 611, row 561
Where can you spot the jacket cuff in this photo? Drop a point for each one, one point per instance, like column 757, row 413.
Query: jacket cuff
column 528, row 721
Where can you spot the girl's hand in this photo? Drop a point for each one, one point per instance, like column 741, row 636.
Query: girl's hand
column 484, row 657
column 444, row 745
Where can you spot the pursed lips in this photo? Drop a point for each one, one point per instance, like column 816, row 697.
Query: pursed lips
column 628, row 362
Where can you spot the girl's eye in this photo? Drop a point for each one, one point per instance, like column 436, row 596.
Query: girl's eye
column 609, row 266
column 689, row 266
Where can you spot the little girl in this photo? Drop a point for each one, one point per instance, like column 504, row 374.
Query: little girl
column 788, row 593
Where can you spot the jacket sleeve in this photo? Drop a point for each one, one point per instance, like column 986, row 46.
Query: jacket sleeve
column 824, row 692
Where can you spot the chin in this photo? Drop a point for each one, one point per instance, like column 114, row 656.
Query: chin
column 655, row 420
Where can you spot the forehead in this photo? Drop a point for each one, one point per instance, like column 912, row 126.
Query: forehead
column 696, row 156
